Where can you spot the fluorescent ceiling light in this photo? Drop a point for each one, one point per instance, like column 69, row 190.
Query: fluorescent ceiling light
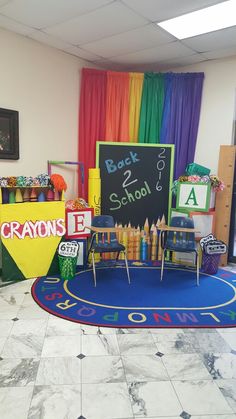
column 222, row 15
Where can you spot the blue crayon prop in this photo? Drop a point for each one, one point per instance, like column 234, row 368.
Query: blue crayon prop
column 143, row 248
column 41, row 197
column 5, row 196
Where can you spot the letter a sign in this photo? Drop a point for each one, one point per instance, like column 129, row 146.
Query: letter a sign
column 193, row 196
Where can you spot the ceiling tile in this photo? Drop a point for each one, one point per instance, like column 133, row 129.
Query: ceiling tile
column 158, row 10
column 2, row 2
column 220, row 53
column 215, row 40
column 43, row 13
column 48, row 39
column 163, row 52
column 86, row 55
column 182, row 61
column 13, row 26
column 106, row 21
column 131, row 41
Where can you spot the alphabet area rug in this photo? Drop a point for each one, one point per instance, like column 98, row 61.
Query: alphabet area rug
column 146, row 303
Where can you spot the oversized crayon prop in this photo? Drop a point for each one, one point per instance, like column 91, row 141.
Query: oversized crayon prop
column 26, row 195
column 94, row 190
column 12, row 197
column 18, row 196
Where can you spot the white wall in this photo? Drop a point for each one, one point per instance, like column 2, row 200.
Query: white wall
column 217, row 110
column 43, row 85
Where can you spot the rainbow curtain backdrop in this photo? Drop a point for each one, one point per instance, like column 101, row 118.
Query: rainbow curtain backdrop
column 139, row 107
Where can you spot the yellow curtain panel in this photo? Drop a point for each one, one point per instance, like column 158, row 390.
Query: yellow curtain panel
column 135, row 96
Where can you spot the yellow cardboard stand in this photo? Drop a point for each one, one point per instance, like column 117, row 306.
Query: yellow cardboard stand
column 31, row 233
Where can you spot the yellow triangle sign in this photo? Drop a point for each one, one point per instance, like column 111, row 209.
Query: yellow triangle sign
column 31, row 233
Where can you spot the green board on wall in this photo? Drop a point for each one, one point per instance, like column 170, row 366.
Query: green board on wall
column 136, row 181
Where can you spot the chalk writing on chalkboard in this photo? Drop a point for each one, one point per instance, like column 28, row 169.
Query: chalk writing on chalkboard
column 135, row 181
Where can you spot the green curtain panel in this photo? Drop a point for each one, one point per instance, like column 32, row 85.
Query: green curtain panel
column 151, row 108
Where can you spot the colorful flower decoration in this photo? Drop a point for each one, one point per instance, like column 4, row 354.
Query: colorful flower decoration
column 21, row 181
column 11, row 181
column 216, row 184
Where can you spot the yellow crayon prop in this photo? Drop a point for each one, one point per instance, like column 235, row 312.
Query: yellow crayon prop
column 149, row 247
column 124, row 241
column 130, row 252
column 18, row 196
column 159, row 253
column 94, row 190
column 152, row 229
column 0, row 195
column 154, row 245
column 146, row 227
column 137, row 243
column 94, row 197
column 163, row 220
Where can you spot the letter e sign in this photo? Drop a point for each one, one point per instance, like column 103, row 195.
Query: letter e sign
column 77, row 223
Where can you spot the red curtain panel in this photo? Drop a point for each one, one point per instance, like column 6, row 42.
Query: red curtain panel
column 92, row 116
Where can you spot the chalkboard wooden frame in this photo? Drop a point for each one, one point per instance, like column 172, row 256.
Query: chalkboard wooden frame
column 133, row 163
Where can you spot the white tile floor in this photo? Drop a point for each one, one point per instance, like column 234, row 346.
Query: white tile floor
column 55, row 369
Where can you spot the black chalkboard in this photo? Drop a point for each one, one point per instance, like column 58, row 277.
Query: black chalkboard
column 135, row 181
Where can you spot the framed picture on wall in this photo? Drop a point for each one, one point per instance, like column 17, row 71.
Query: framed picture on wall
column 9, row 134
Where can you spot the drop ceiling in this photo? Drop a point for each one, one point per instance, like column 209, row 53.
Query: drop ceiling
column 119, row 34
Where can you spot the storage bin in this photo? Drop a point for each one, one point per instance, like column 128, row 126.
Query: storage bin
column 210, row 263
column 67, row 266
column 196, row 169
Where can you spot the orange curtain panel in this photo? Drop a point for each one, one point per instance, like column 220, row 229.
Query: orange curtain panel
column 135, row 96
column 117, row 107
column 92, row 115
